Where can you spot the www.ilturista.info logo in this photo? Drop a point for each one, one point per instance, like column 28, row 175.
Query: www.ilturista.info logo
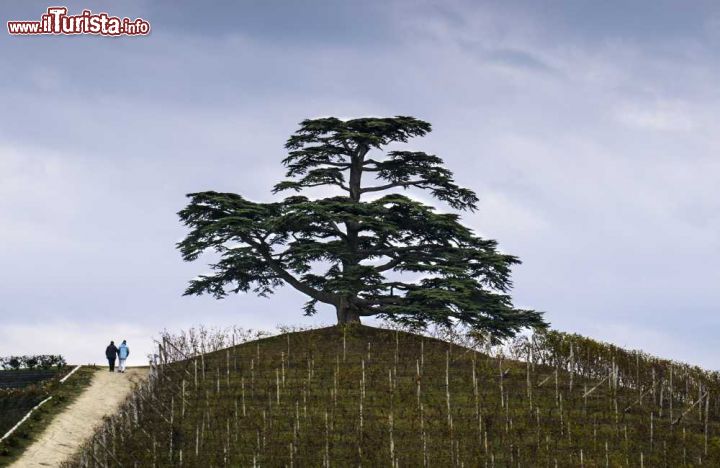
column 57, row 21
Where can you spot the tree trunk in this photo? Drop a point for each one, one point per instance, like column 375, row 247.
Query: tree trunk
column 346, row 315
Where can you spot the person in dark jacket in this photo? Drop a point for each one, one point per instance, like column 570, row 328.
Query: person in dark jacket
column 111, row 353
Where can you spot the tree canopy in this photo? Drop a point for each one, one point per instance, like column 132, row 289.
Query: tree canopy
column 367, row 248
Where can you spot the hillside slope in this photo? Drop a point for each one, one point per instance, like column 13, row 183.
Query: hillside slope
column 76, row 423
column 373, row 397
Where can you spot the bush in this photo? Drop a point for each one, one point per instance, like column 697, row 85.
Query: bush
column 39, row 361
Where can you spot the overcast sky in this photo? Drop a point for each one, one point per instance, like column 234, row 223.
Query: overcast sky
column 588, row 129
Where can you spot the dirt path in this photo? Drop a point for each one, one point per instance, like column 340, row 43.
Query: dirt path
column 68, row 430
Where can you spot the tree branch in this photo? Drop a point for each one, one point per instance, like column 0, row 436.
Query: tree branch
column 415, row 183
column 321, row 184
column 389, row 265
column 334, row 164
column 321, row 296
column 337, row 230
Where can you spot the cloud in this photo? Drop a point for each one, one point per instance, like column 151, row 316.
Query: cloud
column 660, row 117
column 518, row 58
column 593, row 150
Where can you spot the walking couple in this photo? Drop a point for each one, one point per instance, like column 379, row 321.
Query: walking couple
column 122, row 353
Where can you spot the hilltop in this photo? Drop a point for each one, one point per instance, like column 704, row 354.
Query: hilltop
column 356, row 395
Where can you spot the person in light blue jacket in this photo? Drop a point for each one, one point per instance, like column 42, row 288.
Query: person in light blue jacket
column 123, row 353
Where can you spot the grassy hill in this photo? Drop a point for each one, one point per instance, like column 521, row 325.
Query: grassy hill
column 361, row 396
column 16, row 402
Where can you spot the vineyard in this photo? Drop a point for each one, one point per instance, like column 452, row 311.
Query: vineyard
column 38, row 386
column 24, row 383
column 364, row 396
column 14, row 404
column 24, row 378
column 23, row 371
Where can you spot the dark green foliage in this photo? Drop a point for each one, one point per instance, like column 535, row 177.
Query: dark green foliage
column 368, row 251
column 351, row 396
